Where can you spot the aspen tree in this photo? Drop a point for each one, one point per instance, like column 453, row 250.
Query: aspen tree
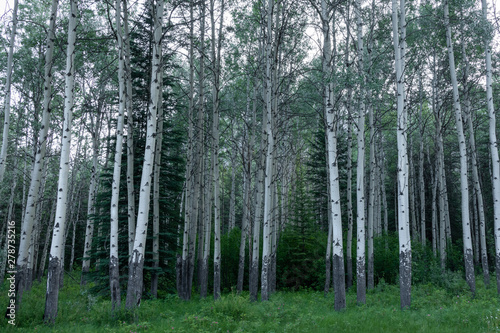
column 136, row 265
column 464, row 187
column 268, row 176
column 259, row 196
column 37, row 171
column 495, row 160
column 402, row 177
column 334, row 185
column 131, row 215
column 188, row 212
column 114, row 274
column 477, row 190
column 360, row 169
column 56, row 250
column 156, row 192
column 216, row 56
column 8, row 86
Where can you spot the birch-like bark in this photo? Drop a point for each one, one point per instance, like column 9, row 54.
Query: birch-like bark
column 478, row 193
column 136, row 265
column 402, row 177
column 268, row 176
column 468, row 255
column 114, row 273
column 8, row 86
column 55, row 264
column 197, row 207
column 259, row 196
column 131, row 215
column 183, row 265
column 350, row 216
column 360, row 169
column 13, row 190
column 334, row 185
column 246, row 197
column 495, row 160
column 37, row 171
column 371, row 196
column 156, row 192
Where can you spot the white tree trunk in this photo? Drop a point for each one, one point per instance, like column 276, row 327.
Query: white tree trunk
column 268, row 176
column 402, row 178
column 360, row 169
column 495, row 161
column 56, row 250
column 114, row 274
column 333, row 174
column 188, row 212
column 478, row 193
column 89, row 230
column 468, row 255
column 156, row 194
column 136, row 265
column 130, row 134
column 8, row 86
column 259, row 197
column 37, row 171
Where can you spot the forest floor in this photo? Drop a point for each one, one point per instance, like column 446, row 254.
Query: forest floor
column 433, row 310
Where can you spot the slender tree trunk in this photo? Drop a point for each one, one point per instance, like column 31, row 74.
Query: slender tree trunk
column 335, row 236
column 55, row 264
column 402, row 190
column 130, row 133
column 412, row 176
column 478, row 193
column 440, row 171
column 232, row 198
column 8, row 85
column 495, row 161
column 156, row 192
column 114, row 271
column 136, row 265
column 350, row 216
column 360, row 169
column 89, row 233
column 421, row 182
column 259, row 196
column 197, row 210
column 207, row 224
column 268, row 177
column 434, row 219
column 37, row 171
column 246, row 197
column 468, row 255
column 371, row 198
column 183, row 265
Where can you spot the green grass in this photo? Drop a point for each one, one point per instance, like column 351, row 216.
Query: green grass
column 433, row 310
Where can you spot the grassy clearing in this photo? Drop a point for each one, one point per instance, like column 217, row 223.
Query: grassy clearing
column 433, row 310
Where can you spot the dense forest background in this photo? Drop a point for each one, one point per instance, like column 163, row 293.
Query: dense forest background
column 238, row 99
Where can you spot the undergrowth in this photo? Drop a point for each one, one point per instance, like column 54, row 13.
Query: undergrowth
column 434, row 309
